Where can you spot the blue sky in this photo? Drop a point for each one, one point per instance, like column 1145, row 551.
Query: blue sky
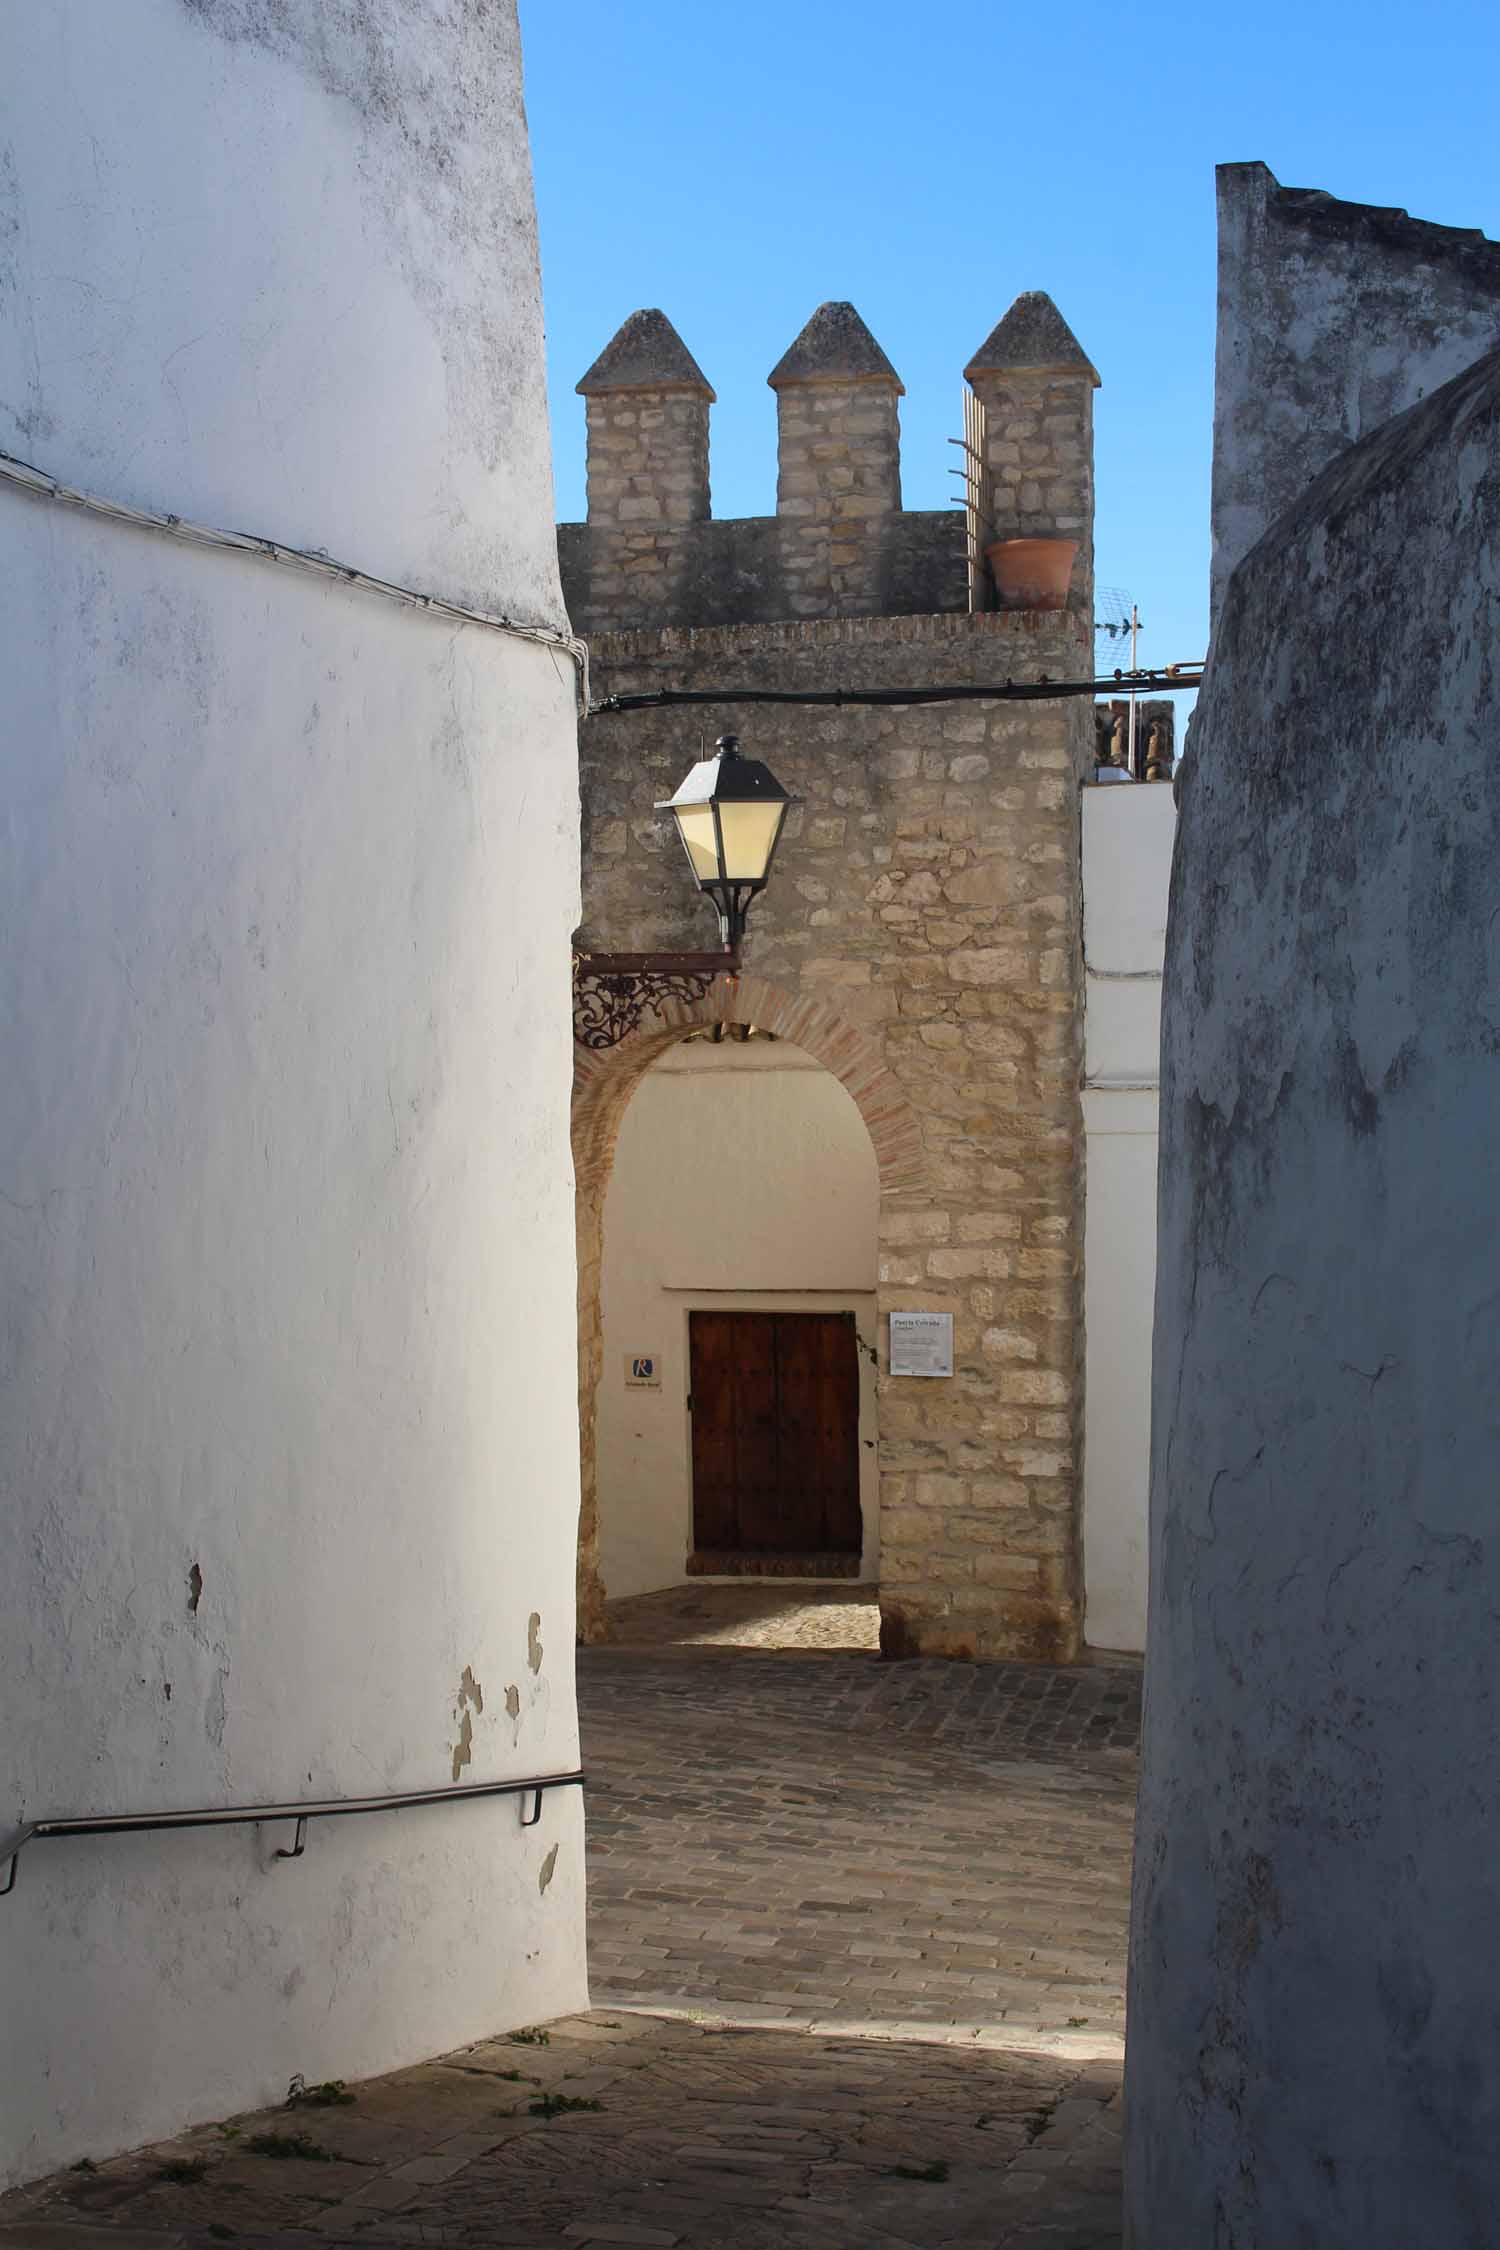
column 736, row 166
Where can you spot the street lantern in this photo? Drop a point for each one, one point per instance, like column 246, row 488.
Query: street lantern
column 729, row 814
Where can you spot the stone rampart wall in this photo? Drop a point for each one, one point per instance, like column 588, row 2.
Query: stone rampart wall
column 735, row 570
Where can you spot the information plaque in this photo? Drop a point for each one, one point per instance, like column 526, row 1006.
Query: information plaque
column 921, row 1343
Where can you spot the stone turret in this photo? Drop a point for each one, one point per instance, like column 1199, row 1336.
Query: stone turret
column 839, row 463
column 648, row 402
column 1036, row 384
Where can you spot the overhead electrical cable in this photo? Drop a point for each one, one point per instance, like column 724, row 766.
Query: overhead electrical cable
column 1172, row 679
column 22, row 476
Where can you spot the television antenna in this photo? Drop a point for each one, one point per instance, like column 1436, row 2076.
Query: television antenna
column 1117, row 619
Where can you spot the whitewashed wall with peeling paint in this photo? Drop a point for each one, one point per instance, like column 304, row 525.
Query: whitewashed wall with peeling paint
column 288, row 1438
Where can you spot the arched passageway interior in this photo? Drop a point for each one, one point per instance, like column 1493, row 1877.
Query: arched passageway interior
column 736, row 1432
column 751, row 1175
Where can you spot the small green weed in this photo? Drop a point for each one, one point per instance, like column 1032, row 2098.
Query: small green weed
column 332, row 2093
column 1076, row 2023
column 558, row 2105
column 219, row 2231
column 1037, row 2121
column 930, row 2172
column 286, row 2145
column 517, row 2077
column 532, row 2036
column 85, row 2164
column 227, row 2132
column 182, row 2170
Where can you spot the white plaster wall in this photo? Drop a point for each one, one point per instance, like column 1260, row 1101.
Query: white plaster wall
column 1127, row 860
column 1332, row 317
column 1315, row 1945
column 275, row 266
column 744, row 1179
column 286, row 881
column 1119, row 1280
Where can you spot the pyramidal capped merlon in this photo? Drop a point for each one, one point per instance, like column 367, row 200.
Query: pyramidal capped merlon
column 645, row 353
column 1032, row 338
column 834, row 347
column 647, row 401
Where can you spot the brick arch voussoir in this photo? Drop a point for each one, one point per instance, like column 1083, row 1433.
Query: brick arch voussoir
column 603, row 1082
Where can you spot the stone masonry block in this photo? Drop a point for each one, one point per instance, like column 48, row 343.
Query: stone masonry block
column 1010, row 1344
column 1000, row 1496
column 1035, row 1387
column 915, row 1226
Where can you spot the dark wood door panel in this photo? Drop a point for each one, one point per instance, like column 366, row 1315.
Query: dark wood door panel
column 711, row 1356
column 775, row 1403
column 758, row 1464
column 819, row 1427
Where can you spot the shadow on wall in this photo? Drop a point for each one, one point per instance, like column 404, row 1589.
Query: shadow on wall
column 1314, row 1899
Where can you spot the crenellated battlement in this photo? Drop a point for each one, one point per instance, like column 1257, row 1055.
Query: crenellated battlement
column 840, row 544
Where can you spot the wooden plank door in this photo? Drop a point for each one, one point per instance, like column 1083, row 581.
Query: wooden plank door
column 775, row 1407
column 817, row 1364
column 732, row 1360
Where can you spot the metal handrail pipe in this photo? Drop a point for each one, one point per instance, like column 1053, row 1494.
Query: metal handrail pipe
column 299, row 1811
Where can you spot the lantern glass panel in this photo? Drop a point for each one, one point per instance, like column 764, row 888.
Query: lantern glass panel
column 696, row 826
column 750, row 832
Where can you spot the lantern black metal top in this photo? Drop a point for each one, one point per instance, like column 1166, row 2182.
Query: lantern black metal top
column 729, row 814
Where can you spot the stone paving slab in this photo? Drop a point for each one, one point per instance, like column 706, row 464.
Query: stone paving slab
column 699, row 2135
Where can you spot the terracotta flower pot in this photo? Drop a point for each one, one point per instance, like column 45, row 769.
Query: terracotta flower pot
column 1032, row 573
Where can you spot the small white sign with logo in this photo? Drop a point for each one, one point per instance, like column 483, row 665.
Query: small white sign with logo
column 642, row 1371
column 921, row 1343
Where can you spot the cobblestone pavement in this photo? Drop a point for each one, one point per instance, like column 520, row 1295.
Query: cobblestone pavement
column 748, row 1616
column 832, row 1837
column 877, row 1913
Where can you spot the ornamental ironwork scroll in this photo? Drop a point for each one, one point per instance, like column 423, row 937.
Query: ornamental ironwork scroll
column 613, row 993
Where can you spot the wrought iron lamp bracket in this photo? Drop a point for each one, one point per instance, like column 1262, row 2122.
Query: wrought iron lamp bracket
column 614, row 993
